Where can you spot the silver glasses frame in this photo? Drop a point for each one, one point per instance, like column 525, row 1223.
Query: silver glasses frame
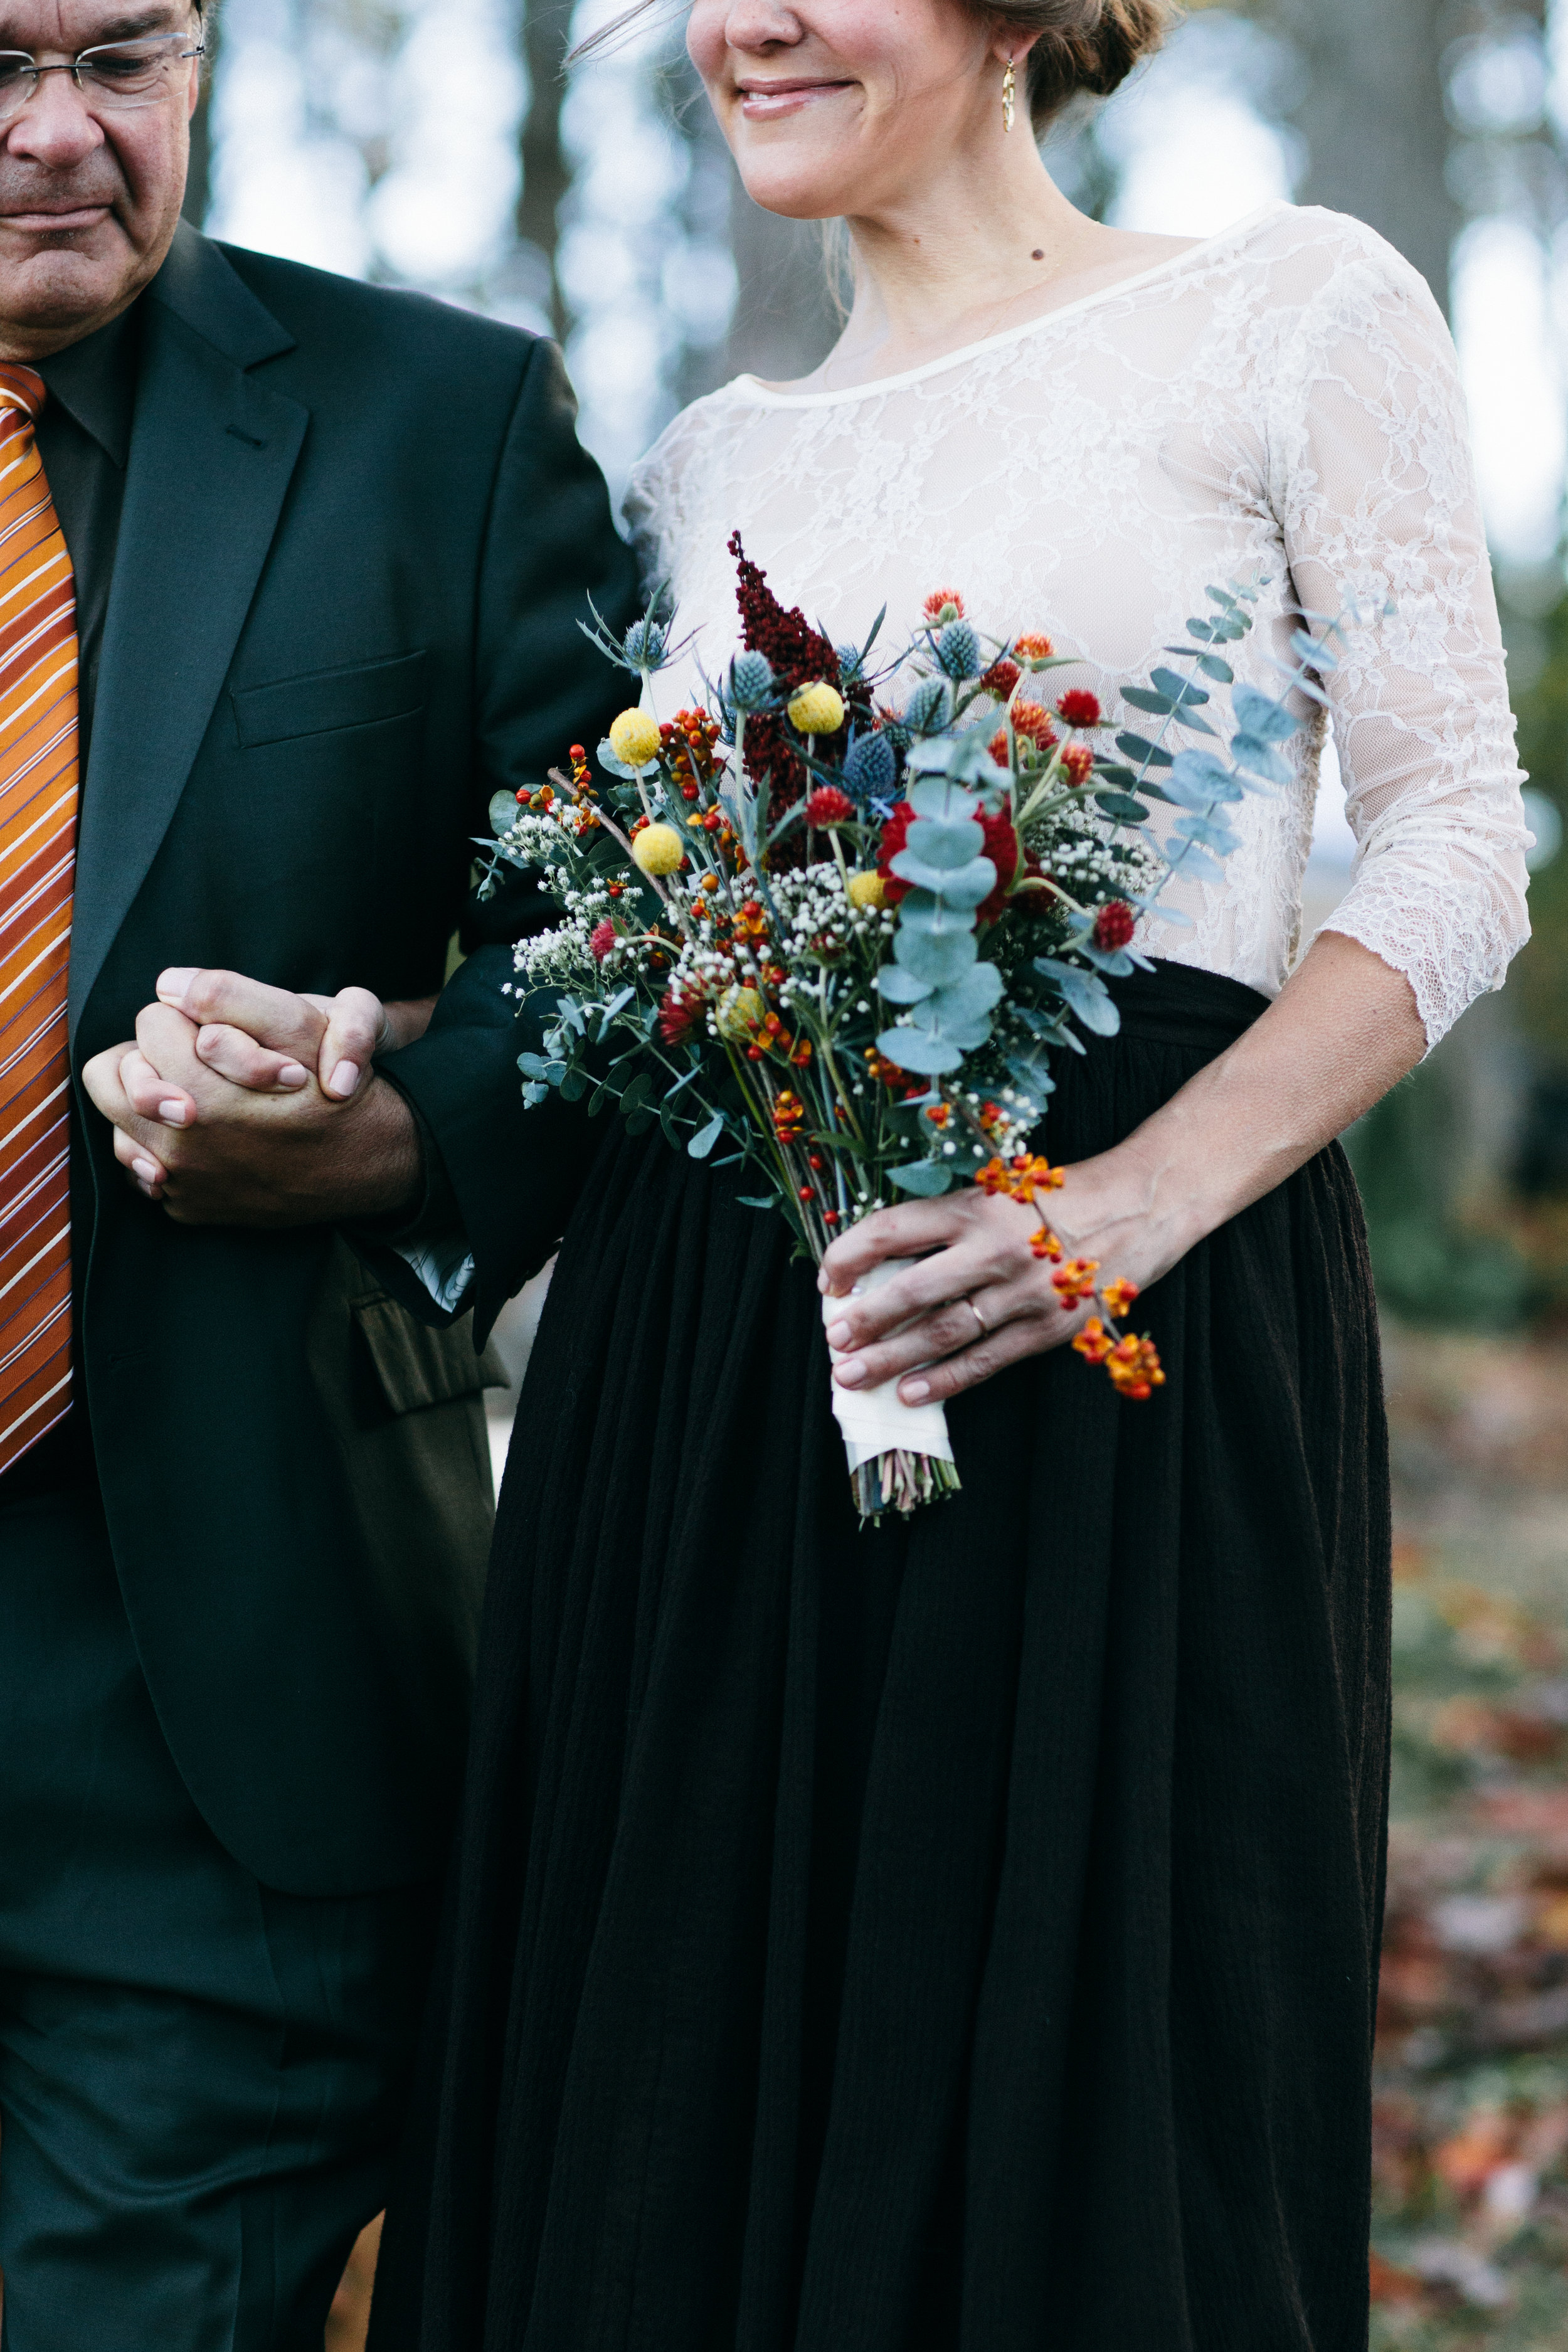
column 31, row 73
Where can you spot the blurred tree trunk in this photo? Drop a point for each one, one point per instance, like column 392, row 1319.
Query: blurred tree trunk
column 546, row 34
column 1374, row 119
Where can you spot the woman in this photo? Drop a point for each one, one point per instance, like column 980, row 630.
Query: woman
column 964, row 1935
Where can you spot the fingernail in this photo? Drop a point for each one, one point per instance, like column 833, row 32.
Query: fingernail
column 175, row 980
column 343, row 1080
column 824, row 1285
column 146, row 1171
column 915, row 1391
column 292, row 1074
column 850, row 1375
column 173, row 1114
column 839, row 1335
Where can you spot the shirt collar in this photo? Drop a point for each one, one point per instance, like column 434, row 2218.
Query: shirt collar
column 95, row 380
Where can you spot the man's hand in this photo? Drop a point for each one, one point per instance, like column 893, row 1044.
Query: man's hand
column 240, row 1104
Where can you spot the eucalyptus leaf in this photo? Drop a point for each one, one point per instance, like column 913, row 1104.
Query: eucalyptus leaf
column 638, row 1088
column 936, row 959
column 757, row 1200
column 1263, row 715
column 533, row 1066
column 1181, row 689
column 702, row 1142
column 1212, row 667
column 502, row 812
column 935, row 797
column 900, row 986
column 534, row 1094
column 1142, row 699
column 962, row 885
column 1121, row 806
column 1086, row 993
column 574, row 1086
column 1196, row 865
column 1213, row 836
column 927, row 1180
column 920, row 911
column 641, row 1120
column 1138, row 747
column 945, row 842
column 912, row 1049
column 1260, row 758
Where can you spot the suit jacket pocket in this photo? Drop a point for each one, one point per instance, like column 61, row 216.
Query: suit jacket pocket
column 415, row 1366
column 325, row 700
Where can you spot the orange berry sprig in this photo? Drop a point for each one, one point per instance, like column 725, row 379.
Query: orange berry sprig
column 1132, row 1363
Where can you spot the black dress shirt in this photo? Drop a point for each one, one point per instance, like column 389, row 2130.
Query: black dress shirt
column 84, row 440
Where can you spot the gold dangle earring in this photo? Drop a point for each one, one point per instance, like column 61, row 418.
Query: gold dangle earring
column 1009, row 93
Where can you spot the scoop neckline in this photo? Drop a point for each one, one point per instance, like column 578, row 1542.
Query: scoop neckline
column 768, row 395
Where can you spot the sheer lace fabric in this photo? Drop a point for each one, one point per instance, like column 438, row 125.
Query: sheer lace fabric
column 1279, row 404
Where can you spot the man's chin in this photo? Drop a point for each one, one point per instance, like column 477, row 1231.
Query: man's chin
column 59, row 289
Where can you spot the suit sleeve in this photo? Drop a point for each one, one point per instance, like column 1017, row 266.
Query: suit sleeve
column 540, row 685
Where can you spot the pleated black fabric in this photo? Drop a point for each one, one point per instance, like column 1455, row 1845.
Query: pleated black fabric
column 955, row 1938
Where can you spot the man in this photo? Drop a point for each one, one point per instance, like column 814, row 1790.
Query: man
column 290, row 575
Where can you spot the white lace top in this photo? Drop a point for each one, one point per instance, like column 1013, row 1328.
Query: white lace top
column 1279, row 402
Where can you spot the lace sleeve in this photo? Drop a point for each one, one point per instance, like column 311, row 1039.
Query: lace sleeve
column 1372, row 484
column 650, row 507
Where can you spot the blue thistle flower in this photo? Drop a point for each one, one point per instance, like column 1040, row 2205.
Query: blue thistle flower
column 870, row 767
column 958, row 651
column 927, row 706
column 750, row 680
column 644, row 644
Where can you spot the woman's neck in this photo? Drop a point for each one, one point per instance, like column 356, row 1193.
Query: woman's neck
column 968, row 256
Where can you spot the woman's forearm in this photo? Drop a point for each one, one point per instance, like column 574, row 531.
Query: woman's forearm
column 1342, row 1032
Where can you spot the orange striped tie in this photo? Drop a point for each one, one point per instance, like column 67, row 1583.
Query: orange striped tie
column 38, row 862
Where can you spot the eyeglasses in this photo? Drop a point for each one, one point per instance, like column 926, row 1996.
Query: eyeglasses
column 120, row 75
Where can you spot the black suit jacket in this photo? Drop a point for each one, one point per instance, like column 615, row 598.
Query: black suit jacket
column 356, row 539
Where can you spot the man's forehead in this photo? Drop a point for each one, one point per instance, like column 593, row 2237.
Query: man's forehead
column 72, row 25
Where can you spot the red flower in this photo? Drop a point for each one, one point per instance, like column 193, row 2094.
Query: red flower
column 678, row 1016
column 1114, row 925
column 1079, row 708
column 1033, row 721
column 935, row 605
column 602, row 940
column 1001, row 679
column 1001, row 847
column 1078, row 762
column 829, row 806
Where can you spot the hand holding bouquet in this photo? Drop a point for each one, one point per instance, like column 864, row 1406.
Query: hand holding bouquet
column 836, row 938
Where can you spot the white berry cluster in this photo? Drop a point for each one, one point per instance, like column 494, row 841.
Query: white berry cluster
column 822, row 920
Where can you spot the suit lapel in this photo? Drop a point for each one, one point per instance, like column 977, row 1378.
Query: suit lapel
column 212, row 453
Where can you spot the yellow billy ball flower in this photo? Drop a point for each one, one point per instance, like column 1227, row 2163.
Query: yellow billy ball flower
column 634, row 737
column 868, row 890
column 658, row 848
column 739, row 1015
column 816, row 709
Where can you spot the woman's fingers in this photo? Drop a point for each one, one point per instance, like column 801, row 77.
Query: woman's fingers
column 960, row 1326
column 904, row 1232
column 147, row 1174
column 356, row 1029
column 1028, row 1335
column 231, row 1054
column 152, row 1095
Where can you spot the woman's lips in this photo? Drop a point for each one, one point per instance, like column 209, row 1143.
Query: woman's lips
column 769, row 102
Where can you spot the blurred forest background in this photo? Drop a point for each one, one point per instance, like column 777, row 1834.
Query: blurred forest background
column 439, row 144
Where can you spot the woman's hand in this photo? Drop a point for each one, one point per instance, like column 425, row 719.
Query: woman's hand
column 1342, row 1029
column 979, row 1299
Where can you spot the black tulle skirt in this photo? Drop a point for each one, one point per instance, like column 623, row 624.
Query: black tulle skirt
column 958, row 1936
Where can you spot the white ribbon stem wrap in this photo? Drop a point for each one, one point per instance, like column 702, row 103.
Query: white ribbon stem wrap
column 875, row 1421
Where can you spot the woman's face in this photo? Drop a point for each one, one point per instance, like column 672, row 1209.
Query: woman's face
column 839, row 107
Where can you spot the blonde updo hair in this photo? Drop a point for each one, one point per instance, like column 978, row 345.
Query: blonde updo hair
column 1085, row 48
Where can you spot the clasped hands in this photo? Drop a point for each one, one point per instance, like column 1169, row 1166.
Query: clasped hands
column 241, row 1104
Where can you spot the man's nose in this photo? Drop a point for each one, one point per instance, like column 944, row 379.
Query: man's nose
column 55, row 127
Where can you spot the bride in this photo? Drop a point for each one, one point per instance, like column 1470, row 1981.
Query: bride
column 964, row 1935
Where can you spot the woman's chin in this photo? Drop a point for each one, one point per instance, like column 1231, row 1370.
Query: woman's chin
column 798, row 188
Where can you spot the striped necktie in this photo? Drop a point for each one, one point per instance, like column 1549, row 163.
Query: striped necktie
column 38, row 861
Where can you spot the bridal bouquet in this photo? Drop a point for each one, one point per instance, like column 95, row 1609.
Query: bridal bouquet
column 832, row 925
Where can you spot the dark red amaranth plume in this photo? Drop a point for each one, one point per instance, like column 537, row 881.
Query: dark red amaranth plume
column 799, row 654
